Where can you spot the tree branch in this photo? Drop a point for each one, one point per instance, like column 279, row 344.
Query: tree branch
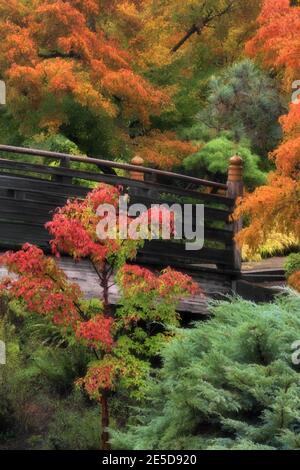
column 202, row 23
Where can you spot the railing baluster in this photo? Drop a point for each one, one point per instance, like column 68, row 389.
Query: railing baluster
column 64, row 163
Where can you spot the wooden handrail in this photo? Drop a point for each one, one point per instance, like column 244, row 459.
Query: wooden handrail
column 110, row 164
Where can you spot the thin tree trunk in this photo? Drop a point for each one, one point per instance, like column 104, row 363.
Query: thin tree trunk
column 105, row 274
column 105, row 280
column 104, row 400
column 105, row 445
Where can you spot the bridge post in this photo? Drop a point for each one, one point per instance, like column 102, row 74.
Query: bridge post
column 147, row 177
column 136, row 175
column 235, row 189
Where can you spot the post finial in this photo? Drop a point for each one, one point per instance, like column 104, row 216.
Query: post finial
column 235, row 170
column 137, row 175
column 137, row 160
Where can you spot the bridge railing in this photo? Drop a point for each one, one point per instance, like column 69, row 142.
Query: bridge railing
column 30, row 192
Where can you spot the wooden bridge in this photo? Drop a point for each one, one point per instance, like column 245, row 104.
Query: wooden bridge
column 33, row 183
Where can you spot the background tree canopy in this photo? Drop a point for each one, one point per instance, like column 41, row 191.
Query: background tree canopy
column 181, row 85
column 103, row 76
column 184, row 85
column 212, row 161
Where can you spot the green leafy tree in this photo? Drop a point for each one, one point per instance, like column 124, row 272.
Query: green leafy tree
column 292, row 264
column 212, row 161
column 229, row 383
column 292, row 270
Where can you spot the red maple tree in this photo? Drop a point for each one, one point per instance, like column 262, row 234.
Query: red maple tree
column 121, row 347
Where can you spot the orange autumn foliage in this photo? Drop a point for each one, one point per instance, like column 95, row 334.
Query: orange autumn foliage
column 294, row 281
column 163, row 150
column 273, row 208
column 287, row 155
column 157, row 26
column 276, row 206
column 56, row 52
column 57, row 48
column 135, row 95
column 278, row 37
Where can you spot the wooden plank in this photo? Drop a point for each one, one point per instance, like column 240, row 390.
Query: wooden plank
column 20, row 217
column 275, row 263
column 16, row 242
column 152, row 190
column 197, row 195
column 54, row 199
column 210, row 212
column 159, row 250
column 264, row 277
column 52, row 194
column 16, row 233
column 51, row 199
column 215, row 285
column 39, row 186
column 216, row 215
column 26, row 211
column 110, row 164
column 42, row 169
column 219, row 235
column 14, row 205
column 112, row 179
column 163, row 250
column 257, row 292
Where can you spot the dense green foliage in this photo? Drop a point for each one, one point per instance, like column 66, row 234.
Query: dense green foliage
column 242, row 393
column 229, row 383
column 213, row 159
column 292, row 264
column 48, row 418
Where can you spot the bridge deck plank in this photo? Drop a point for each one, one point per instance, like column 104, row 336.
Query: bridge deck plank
column 86, row 276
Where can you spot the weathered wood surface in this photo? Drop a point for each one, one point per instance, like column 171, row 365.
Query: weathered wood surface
column 275, row 263
column 269, row 272
column 30, row 192
column 214, row 284
column 84, row 274
column 65, row 159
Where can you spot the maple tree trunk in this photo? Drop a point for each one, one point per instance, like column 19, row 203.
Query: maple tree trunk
column 105, row 445
column 104, row 400
column 105, row 278
column 105, row 293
